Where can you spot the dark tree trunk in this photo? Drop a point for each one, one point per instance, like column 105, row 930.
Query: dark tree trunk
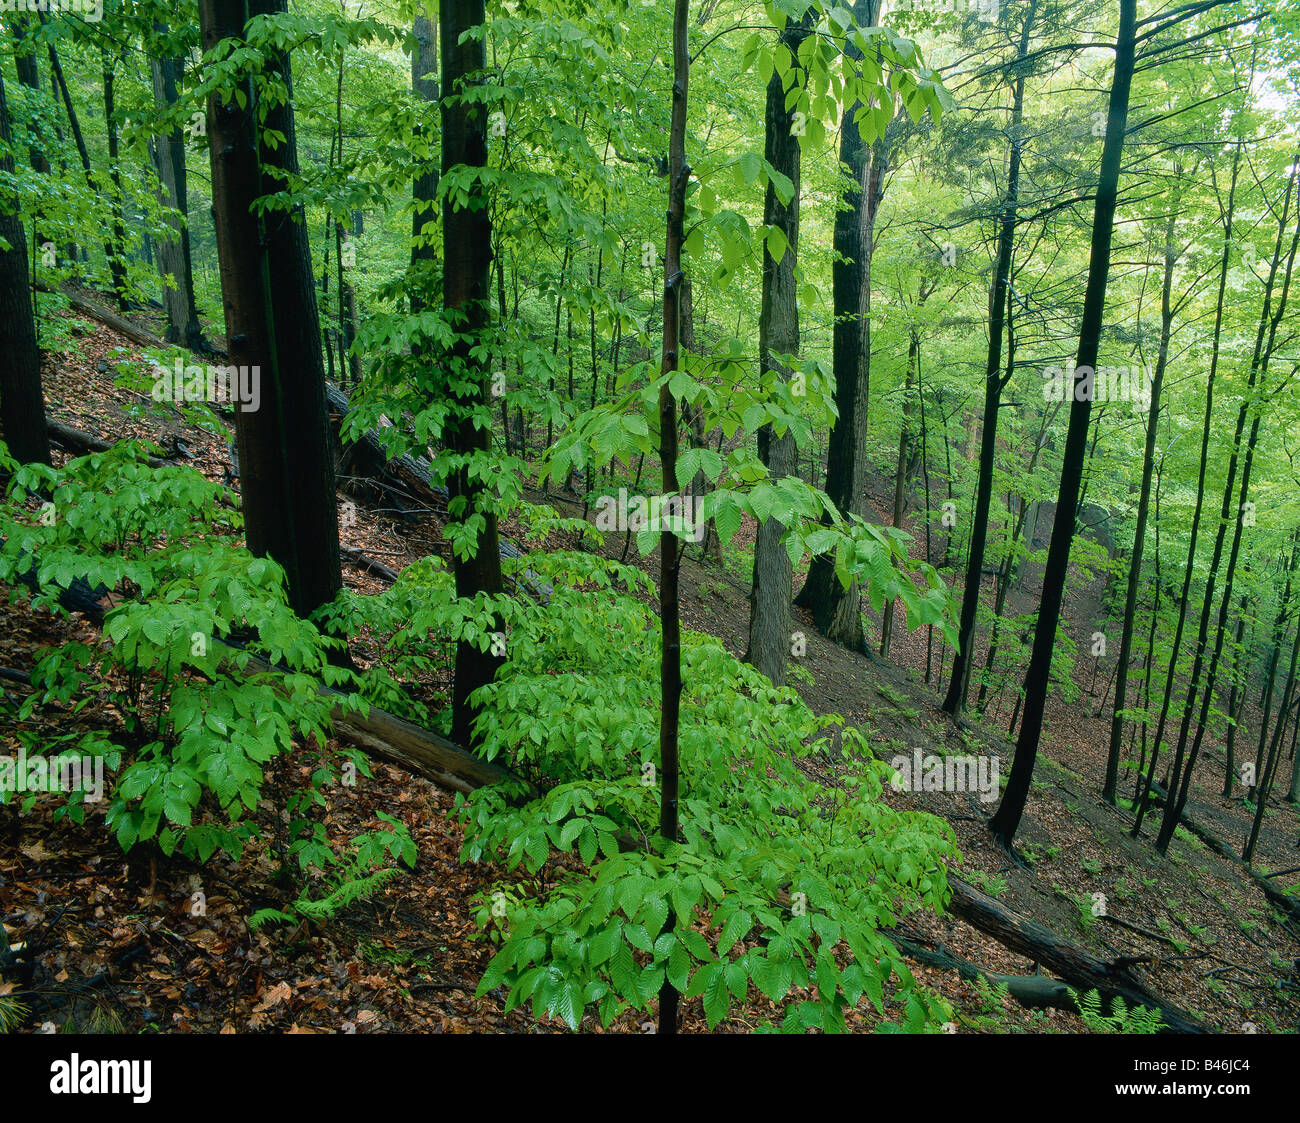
column 1270, row 674
column 29, row 77
column 286, row 469
column 778, row 331
column 1265, row 785
column 349, row 360
column 836, row 610
column 994, row 383
column 670, row 664
column 424, row 191
column 1236, row 698
column 1140, row 530
column 117, row 246
column 1265, row 340
column 174, row 261
column 467, row 259
column 1190, row 566
column 902, row 473
column 1007, row 820
column 22, row 405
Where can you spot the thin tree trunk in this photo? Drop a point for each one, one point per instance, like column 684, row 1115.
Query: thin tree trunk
column 1190, row 566
column 1270, row 676
column 1265, row 787
column 174, row 261
column 424, row 191
column 1007, row 819
column 28, row 76
column 994, row 383
column 1140, row 530
column 1236, row 698
column 670, row 666
column 117, row 246
column 1180, row 775
column 901, row 474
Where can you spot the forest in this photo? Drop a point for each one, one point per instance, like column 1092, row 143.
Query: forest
column 681, row 517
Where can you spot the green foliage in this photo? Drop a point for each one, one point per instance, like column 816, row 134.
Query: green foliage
column 194, row 615
column 766, row 887
column 991, row 883
column 12, row 1013
column 1121, row 1019
column 358, row 875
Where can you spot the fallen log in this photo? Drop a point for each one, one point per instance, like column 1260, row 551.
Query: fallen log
column 74, row 440
column 1032, row 991
column 366, row 458
column 1285, row 902
column 1111, row 978
column 407, row 477
column 123, row 327
column 416, row 749
column 368, row 564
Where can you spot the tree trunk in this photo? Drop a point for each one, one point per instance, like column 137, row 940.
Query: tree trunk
column 424, row 191
column 1236, row 698
column 1140, row 530
column 117, row 246
column 670, row 663
column 835, row 609
column 901, row 474
column 22, row 404
column 994, row 383
column 28, row 76
column 1190, row 566
column 1264, row 787
column 467, row 259
column 1111, row 978
column 1007, row 820
column 1180, row 774
column 778, row 331
column 174, row 261
column 286, row 470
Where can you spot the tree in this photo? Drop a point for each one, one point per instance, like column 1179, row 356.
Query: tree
column 1007, row 819
column 670, row 667
column 467, row 258
column 995, row 381
column 286, row 467
column 174, row 260
column 117, row 244
column 424, row 191
column 22, row 404
column 778, row 333
column 1139, row 534
column 836, row 608
column 1270, row 319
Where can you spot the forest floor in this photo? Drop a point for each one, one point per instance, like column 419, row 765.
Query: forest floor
column 117, row 946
